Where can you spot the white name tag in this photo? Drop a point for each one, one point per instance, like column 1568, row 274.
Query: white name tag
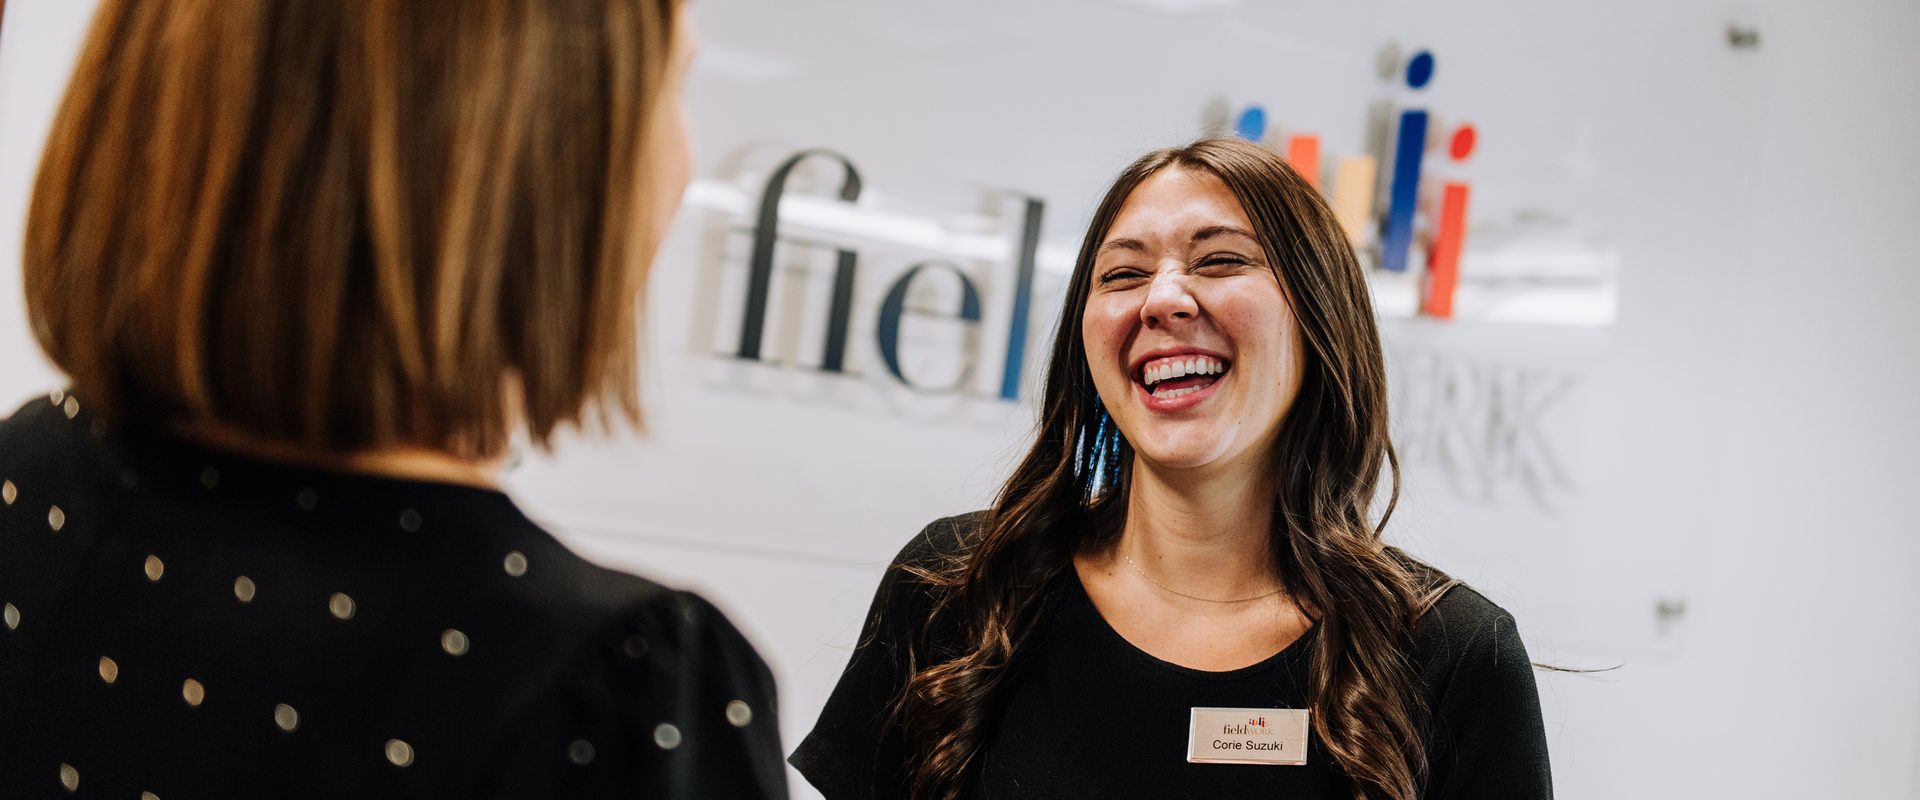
column 1247, row 736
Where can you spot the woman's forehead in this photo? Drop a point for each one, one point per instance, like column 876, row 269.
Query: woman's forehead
column 1178, row 206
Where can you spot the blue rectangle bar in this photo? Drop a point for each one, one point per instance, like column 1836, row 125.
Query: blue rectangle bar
column 1396, row 242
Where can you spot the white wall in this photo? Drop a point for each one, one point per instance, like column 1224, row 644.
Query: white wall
column 1739, row 439
column 1802, row 678
column 39, row 41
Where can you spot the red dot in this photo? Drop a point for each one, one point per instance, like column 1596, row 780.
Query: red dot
column 1462, row 145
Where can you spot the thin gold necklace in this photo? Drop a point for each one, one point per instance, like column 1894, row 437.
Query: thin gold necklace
column 1143, row 574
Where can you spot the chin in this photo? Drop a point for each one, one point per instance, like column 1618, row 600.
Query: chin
column 1170, row 451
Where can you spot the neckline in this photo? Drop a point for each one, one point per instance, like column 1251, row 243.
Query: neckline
column 153, row 459
column 253, row 468
column 128, row 460
column 1291, row 653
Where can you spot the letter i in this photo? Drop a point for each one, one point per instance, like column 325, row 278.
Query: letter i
column 1443, row 264
column 1410, row 142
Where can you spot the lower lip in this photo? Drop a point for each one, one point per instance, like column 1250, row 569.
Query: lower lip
column 1183, row 402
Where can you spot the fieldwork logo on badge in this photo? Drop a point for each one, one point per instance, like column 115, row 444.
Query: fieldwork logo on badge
column 1254, row 726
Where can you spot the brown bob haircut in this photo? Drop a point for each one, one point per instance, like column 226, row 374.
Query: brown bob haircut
column 352, row 224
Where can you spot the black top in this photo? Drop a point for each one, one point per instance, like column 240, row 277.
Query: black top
column 1090, row 715
column 186, row 624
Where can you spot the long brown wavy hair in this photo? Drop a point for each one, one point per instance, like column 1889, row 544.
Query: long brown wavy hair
column 1069, row 493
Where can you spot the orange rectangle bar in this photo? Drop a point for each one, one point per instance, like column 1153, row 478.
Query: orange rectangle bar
column 1303, row 153
column 1443, row 263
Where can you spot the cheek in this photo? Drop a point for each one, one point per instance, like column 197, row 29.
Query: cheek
column 1104, row 329
column 1289, row 361
column 1266, row 334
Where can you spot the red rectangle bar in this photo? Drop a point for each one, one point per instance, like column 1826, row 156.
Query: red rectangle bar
column 1443, row 265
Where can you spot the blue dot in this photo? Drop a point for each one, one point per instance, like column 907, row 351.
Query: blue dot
column 1253, row 123
column 1420, row 70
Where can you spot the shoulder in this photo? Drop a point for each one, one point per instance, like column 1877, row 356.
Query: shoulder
column 571, row 585
column 1487, row 737
column 615, row 612
column 700, row 697
column 908, row 605
column 1461, row 622
column 602, row 604
column 668, row 698
column 691, row 628
column 55, row 474
column 912, row 587
column 36, row 415
column 656, row 679
column 681, row 639
column 1467, row 645
column 855, row 747
column 942, row 541
column 48, row 435
column 1460, row 617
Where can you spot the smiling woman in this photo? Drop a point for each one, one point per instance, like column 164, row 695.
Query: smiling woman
column 1179, row 592
column 1181, row 287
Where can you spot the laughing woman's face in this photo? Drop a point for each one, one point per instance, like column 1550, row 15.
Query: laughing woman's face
column 1189, row 336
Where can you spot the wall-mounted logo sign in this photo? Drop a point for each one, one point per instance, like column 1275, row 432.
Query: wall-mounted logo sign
column 823, row 283
column 1352, row 195
column 925, row 280
column 1489, row 426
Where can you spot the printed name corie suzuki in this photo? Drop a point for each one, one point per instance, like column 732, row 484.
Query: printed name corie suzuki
column 1249, row 744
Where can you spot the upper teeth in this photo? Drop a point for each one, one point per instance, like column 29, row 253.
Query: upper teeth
column 1167, row 369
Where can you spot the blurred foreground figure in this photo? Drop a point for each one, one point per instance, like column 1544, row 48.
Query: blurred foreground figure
column 311, row 268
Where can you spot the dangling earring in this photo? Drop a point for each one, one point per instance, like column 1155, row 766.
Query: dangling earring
column 1106, row 446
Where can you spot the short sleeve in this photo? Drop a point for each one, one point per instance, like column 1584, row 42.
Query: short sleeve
column 855, row 751
column 1490, row 742
column 673, row 703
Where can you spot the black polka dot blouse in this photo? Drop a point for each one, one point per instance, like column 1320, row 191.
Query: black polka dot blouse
column 180, row 623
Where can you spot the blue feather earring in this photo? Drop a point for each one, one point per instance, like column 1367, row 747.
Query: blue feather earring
column 1106, row 450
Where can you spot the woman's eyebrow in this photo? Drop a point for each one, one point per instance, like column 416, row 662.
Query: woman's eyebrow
column 1122, row 244
column 1222, row 230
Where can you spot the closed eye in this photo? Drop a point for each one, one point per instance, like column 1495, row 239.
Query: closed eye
column 1119, row 274
column 1222, row 262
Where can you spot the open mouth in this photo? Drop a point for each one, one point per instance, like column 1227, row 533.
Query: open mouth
column 1178, row 376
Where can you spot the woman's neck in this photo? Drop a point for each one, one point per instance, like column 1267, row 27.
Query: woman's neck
column 409, row 463
column 1207, row 535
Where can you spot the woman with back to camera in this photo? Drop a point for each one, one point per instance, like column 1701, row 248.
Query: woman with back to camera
column 1179, row 592
column 311, row 267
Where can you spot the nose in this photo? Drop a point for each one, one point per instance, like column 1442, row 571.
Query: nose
column 1169, row 298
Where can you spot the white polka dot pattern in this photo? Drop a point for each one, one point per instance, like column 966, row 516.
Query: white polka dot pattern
column 666, row 736
column 399, row 753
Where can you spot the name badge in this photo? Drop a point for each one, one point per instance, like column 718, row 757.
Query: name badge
column 1247, row 736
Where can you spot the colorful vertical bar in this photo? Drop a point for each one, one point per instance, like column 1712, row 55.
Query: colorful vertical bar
column 1443, row 270
column 1303, row 154
column 1354, row 179
column 1396, row 241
